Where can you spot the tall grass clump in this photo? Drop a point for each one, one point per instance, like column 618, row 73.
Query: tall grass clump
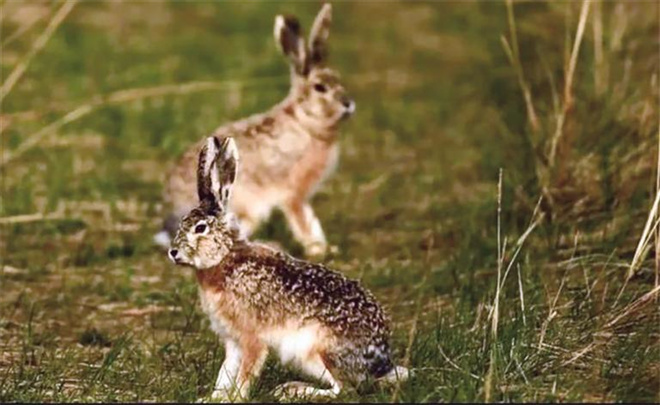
column 580, row 112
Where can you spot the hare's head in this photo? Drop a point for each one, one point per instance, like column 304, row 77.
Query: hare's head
column 209, row 231
column 316, row 87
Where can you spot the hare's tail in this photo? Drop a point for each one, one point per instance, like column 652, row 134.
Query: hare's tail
column 398, row 373
column 164, row 237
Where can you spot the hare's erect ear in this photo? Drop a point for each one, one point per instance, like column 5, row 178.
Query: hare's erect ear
column 227, row 168
column 288, row 35
column 216, row 171
column 318, row 36
column 206, row 160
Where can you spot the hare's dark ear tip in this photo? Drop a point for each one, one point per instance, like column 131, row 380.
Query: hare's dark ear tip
column 207, row 155
column 212, row 143
column 279, row 24
column 325, row 11
column 288, row 22
column 229, row 147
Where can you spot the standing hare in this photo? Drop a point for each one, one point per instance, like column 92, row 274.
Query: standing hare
column 288, row 150
column 257, row 297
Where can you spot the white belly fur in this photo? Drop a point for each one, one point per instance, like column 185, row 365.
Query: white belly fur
column 292, row 342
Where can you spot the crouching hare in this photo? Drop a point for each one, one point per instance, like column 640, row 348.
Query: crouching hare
column 259, row 298
column 288, row 151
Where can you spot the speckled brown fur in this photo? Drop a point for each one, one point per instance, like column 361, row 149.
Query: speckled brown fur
column 278, row 287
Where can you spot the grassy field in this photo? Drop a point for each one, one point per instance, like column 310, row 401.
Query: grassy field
column 549, row 301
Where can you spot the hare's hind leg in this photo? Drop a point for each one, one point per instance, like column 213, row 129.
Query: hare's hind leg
column 306, row 227
column 251, row 209
column 315, row 367
column 242, row 364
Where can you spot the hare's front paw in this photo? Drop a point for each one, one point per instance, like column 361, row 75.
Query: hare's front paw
column 320, row 250
column 296, row 390
column 290, row 391
column 316, row 249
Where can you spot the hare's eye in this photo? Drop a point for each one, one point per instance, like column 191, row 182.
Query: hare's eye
column 320, row 88
column 200, row 228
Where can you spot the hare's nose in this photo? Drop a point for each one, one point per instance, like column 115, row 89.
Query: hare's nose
column 348, row 104
column 174, row 253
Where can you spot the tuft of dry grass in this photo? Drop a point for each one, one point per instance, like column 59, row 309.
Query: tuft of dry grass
column 20, row 68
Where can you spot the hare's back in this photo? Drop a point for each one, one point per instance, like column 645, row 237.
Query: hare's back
column 296, row 289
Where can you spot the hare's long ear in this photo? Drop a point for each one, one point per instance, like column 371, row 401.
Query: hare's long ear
column 216, row 171
column 318, row 36
column 288, row 35
column 227, row 168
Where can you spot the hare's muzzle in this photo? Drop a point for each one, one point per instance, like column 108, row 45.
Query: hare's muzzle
column 174, row 255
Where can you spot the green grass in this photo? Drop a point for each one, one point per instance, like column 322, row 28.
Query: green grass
column 90, row 310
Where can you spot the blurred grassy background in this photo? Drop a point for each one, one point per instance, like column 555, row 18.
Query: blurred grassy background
column 90, row 310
